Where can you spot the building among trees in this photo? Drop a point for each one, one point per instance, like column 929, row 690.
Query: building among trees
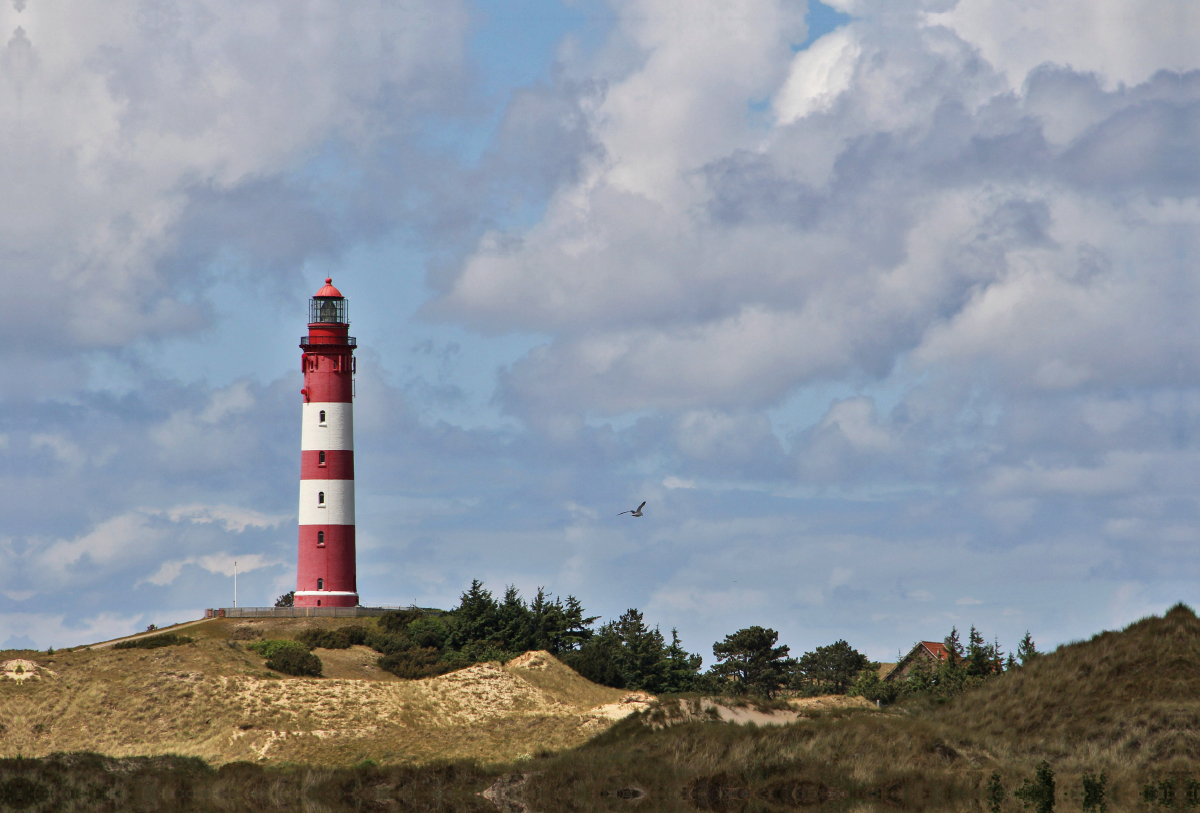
column 929, row 652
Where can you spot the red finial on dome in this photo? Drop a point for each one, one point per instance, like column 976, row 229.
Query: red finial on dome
column 329, row 290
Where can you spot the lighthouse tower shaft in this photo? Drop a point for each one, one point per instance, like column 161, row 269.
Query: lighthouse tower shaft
column 325, row 575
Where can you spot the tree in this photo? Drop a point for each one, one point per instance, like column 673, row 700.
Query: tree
column 682, row 667
column 557, row 626
column 288, row 599
column 982, row 658
column 749, row 662
column 476, row 617
column 953, row 646
column 644, row 652
column 514, row 630
column 832, row 669
column 1027, row 650
column 600, row 659
column 873, row 688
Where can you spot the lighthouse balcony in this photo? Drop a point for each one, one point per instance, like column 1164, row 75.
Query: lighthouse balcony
column 312, row 339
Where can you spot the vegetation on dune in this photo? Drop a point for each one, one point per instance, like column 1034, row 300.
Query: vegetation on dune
column 1106, row 722
column 153, row 641
column 288, row 656
column 1109, row 721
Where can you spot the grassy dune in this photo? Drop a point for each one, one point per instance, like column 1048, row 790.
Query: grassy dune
column 214, row 699
column 1123, row 703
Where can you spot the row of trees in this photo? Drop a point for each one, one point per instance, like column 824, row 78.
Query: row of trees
column 628, row 653
column 964, row 668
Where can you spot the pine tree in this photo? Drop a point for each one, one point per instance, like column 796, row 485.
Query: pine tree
column 981, row 660
column 749, row 662
column 953, row 646
column 514, row 630
column 475, row 617
column 682, row 667
column 1026, row 650
column 831, row 669
column 577, row 629
column 645, row 663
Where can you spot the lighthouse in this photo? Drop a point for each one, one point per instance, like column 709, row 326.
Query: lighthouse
column 325, row 573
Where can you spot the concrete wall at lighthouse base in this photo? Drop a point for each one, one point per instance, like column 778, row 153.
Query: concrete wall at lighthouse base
column 299, row 612
column 325, row 598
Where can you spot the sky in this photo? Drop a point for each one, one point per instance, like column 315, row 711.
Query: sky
column 885, row 307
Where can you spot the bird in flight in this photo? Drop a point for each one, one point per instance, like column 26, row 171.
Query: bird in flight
column 637, row 512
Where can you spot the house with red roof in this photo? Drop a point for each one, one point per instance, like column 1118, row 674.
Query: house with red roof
column 930, row 652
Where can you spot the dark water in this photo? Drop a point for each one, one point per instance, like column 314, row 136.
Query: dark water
column 84, row 783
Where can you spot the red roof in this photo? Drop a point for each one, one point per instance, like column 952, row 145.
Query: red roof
column 328, row 290
column 937, row 648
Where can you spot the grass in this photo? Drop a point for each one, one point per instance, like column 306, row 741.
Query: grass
column 1123, row 704
column 153, row 642
column 215, row 699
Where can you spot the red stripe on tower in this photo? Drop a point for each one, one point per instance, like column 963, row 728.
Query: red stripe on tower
column 325, row 572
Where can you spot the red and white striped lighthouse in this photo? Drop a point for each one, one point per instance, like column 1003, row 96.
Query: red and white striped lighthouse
column 325, row 574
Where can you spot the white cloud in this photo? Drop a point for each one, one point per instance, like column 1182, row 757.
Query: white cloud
column 232, row 518
column 120, row 112
column 819, row 74
column 1124, row 41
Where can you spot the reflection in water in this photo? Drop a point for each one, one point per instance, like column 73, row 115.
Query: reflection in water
column 88, row 783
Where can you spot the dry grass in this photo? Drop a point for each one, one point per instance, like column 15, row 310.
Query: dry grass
column 215, row 700
column 1125, row 703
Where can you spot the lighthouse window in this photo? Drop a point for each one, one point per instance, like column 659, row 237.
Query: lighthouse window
column 322, row 416
column 320, row 458
column 320, row 539
column 320, row 498
column 320, row 584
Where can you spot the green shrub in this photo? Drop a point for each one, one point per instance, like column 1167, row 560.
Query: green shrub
column 870, row 686
column 398, row 620
column 1093, row 792
column 417, row 663
column 337, row 638
column 388, row 643
column 295, row 661
column 154, row 641
column 1038, row 794
column 429, row 631
column 271, row 646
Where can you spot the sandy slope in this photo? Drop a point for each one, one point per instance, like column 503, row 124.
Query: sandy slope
column 214, row 699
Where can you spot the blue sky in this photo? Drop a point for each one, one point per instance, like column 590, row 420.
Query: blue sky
column 884, row 307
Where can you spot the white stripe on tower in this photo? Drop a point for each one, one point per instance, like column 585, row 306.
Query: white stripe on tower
column 335, row 433
column 326, row 502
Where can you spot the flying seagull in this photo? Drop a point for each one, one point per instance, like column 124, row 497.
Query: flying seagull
column 637, row 512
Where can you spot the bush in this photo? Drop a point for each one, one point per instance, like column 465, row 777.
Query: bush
column 388, row 643
column 429, row 631
column 155, row 641
column 398, row 620
column 870, row 686
column 294, row 660
column 414, row 664
column 271, row 646
column 336, row 638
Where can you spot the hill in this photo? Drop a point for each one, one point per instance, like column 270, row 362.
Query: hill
column 214, row 699
column 1125, row 701
column 1125, row 704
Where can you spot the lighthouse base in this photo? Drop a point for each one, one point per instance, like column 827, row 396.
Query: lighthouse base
column 325, row 598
